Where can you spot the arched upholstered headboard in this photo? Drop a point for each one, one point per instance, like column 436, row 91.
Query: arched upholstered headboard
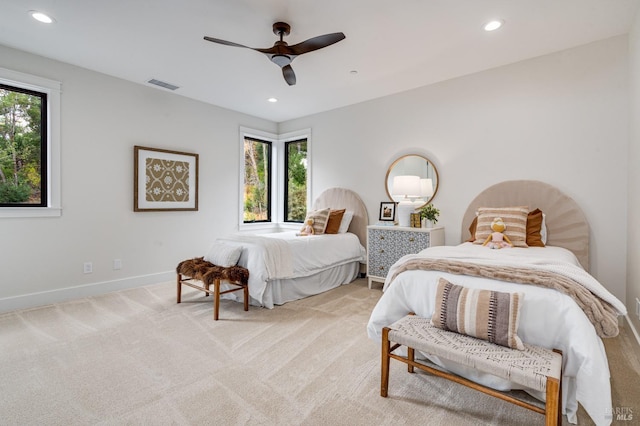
column 342, row 198
column 567, row 225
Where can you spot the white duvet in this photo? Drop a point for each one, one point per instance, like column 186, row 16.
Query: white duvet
column 285, row 255
column 547, row 318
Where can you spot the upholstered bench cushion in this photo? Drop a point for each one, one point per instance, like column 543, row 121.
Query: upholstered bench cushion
column 207, row 272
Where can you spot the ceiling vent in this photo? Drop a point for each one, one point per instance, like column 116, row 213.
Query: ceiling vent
column 163, row 84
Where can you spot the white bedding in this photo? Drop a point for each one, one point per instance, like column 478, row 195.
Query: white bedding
column 308, row 255
column 547, row 318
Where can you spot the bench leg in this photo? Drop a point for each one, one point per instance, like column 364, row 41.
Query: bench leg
column 216, row 299
column 410, row 357
column 384, row 375
column 178, row 289
column 246, row 297
column 552, row 405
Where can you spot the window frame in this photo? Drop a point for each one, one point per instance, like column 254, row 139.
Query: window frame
column 278, row 177
column 52, row 90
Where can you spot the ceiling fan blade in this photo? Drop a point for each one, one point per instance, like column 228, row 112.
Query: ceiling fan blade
column 289, row 75
column 225, row 42
column 316, row 43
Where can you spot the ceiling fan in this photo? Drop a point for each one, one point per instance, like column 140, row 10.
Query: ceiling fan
column 282, row 54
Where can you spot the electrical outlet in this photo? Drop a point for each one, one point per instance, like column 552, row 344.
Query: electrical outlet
column 117, row 264
column 88, row 267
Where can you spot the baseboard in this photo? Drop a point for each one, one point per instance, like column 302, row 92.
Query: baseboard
column 633, row 328
column 94, row 289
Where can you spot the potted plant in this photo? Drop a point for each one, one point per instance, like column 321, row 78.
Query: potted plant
column 430, row 213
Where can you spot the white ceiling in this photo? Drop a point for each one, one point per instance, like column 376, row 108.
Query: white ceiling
column 393, row 45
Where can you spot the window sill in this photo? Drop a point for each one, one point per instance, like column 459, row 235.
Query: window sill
column 14, row 212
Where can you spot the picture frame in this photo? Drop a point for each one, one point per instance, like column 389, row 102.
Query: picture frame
column 387, row 211
column 164, row 180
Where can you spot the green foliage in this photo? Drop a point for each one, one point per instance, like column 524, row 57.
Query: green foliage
column 430, row 213
column 297, row 181
column 10, row 193
column 20, row 147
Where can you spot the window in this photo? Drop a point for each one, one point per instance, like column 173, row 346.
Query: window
column 275, row 178
column 29, row 145
column 23, row 147
column 295, row 185
column 257, row 182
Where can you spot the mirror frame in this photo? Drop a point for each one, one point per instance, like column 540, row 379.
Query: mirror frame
column 429, row 163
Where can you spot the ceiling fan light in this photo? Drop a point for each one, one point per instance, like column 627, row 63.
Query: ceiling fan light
column 493, row 25
column 41, row 17
column 281, row 60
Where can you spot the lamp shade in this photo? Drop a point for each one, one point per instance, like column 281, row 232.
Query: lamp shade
column 426, row 188
column 406, row 186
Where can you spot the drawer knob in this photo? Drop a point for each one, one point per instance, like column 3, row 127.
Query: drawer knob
column 382, row 268
column 411, row 239
column 382, row 237
column 382, row 251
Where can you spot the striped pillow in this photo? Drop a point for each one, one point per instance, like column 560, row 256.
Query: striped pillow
column 488, row 315
column 515, row 219
column 320, row 219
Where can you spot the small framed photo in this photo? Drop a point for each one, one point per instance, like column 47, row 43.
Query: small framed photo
column 387, row 211
column 164, row 180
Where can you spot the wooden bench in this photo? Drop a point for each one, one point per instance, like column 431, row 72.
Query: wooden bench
column 201, row 275
column 534, row 367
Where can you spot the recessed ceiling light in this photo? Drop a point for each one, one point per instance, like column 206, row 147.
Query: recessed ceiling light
column 272, row 100
column 493, row 25
column 40, row 16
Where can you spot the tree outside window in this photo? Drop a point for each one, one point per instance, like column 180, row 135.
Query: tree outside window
column 296, row 183
column 23, row 147
column 257, row 180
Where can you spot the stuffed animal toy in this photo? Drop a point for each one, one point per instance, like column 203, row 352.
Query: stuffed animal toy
column 497, row 239
column 307, row 229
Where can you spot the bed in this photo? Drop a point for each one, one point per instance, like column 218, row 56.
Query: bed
column 284, row 266
column 550, row 313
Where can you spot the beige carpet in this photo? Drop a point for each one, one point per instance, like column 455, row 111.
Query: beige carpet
column 136, row 357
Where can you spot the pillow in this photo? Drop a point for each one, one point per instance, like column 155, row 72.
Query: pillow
column 485, row 314
column 472, row 230
column 222, row 254
column 333, row 224
column 320, row 219
column 345, row 222
column 515, row 219
column 534, row 228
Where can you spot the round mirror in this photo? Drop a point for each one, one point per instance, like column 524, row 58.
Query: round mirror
column 409, row 166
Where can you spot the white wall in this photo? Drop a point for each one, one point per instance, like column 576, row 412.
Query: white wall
column 102, row 119
column 561, row 118
column 633, row 231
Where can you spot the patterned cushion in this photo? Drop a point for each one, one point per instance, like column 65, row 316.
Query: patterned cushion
column 333, row 224
column 320, row 219
column 488, row 315
column 222, row 254
column 515, row 219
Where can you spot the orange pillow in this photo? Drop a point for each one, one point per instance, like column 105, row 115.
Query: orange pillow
column 333, row 224
column 534, row 226
column 472, row 230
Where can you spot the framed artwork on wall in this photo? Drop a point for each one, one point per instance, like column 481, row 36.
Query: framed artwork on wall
column 164, row 180
column 387, row 211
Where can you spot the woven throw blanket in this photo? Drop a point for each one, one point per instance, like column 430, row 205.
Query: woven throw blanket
column 602, row 314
